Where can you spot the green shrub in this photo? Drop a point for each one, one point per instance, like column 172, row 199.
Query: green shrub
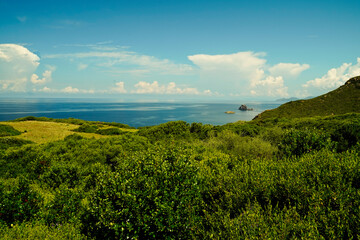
column 60, row 173
column 153, row 195
column 299, row 142
column 346, row 136
column 86, row 128
column 242, row 128
column 39, row 230
column 110, row 131
column 6, row 130
column 18, row 202
column 245, row 147
column 172, row 130
column 65, row 207
column 201, row 131
column 7, row 142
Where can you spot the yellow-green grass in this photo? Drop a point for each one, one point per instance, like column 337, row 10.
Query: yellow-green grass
column 43, row 132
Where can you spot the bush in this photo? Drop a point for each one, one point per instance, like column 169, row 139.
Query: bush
column 172, row 130
column 299, row 142
column 65, row 207
column 7, row 142
column 86, row 128
column 6, row 130
column 39, row 230
column 110, row 131
column 18, row 202
column 153, row 195
column 201, row 131
column 346, row 136
column 245, row 147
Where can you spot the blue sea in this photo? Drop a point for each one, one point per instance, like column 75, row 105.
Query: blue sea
column 133, row 113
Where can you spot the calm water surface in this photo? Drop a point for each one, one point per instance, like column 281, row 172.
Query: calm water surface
column 133, row 114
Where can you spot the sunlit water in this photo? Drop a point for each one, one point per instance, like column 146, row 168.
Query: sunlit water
column 133, row 114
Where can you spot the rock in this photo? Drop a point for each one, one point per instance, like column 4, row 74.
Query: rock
column 243, row 107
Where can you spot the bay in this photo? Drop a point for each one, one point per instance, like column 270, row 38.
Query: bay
column 135, row 114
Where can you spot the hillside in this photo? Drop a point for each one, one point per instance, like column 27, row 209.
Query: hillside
column 274, row 179
column 343, row 100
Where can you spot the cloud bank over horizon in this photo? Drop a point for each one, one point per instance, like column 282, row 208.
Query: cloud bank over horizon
column 241, row 74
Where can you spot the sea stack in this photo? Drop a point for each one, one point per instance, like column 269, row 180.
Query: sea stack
column 243, row 107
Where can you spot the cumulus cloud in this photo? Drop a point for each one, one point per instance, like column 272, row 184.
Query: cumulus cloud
column 120, row 88
column 245, row 64
column 335, row 77
column 271, row 86
column 45, row 89
column 245, row 73
column 288, row 69
column 70, row 89
column 171, row 88
column 46, row 78
column 17, row 64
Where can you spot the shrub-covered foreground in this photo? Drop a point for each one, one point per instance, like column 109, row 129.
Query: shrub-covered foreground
column 262, row 180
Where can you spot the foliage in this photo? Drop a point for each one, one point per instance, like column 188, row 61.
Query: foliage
column 346, row 136
column 18, row 202
column 6, row 130
column 6, row 142
column 299, row 142
column 86, row 128
column 176, row 130
column 274, row 178
column 152, row 196
column 39, row 230
column 110, row 131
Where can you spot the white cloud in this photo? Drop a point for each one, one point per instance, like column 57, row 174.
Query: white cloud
column 46, row 78
column 120, row 88
column 171, row 88
column 17, row 64
column 245, row 73
column 246, row 64
column 288, row 69
column 132, row 61
column 335, row 77
column 70, row 89
column 82, row 66
column 46, row 89
column 271, row 86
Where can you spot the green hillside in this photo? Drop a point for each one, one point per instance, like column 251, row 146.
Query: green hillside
column 345, row 99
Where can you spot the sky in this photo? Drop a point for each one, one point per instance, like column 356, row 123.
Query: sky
column 177, row 50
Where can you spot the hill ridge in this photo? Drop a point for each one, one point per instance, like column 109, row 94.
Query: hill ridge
column 344, row 99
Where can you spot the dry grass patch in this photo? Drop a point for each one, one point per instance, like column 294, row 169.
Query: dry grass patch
column 43, row 132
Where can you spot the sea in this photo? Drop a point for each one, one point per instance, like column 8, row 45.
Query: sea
column 135, row 114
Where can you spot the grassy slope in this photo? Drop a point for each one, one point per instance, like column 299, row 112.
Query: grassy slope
column 343, row 100
column 42, row 131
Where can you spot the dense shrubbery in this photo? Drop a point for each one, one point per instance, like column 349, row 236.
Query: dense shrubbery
column 275, row 179
column 6, row 142
column 6, row 130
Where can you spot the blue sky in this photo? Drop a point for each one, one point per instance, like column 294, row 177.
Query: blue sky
column 256, row 50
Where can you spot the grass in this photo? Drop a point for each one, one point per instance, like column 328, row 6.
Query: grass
column 43, row 132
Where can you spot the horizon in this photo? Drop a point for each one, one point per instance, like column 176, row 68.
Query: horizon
column 207, row 51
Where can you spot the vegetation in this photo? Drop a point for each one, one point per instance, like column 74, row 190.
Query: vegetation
column 343, row 100
column 272, row 178
column 6, row 130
